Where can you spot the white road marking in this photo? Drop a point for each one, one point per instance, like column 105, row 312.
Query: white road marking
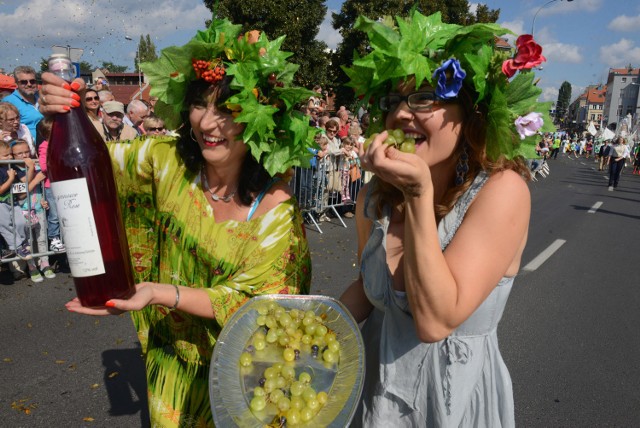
column 544, row 256
column 595, row 207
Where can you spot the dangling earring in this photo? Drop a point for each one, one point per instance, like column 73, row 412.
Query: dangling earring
column 193, row 137
column 462, row 167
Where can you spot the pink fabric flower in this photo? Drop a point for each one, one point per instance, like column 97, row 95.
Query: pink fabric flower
column 529, row 124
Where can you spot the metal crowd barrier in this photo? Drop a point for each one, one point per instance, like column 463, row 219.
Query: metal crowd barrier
column 19, row 188
column 324, row 188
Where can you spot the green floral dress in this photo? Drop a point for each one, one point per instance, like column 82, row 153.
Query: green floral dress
column 174, row 238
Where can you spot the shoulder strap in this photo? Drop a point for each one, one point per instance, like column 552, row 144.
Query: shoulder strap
column 256, row 201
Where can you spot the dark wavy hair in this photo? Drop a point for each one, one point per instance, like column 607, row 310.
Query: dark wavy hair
column 253, row 177
column 473, row 136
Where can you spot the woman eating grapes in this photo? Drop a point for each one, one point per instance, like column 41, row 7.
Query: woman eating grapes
column 443, row 223
column 209, row 222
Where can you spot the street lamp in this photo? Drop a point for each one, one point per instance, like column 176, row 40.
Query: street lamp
column 137, row 63
column 538, row 11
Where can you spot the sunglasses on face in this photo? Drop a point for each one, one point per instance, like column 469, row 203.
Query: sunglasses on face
column 92, row 99
column 155, row 129
column 27, row 82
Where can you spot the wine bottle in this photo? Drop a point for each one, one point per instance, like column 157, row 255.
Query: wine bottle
column 84, row 190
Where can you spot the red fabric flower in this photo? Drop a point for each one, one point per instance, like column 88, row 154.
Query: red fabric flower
column 528, row 55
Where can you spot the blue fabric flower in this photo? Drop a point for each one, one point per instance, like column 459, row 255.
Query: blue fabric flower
column 450, row 76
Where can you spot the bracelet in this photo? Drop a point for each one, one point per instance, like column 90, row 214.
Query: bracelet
column 175, row 305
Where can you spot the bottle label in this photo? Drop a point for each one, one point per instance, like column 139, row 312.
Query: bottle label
column 78, row 227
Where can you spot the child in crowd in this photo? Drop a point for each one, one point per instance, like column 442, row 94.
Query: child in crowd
column 33, row 208
column 53, row 225
column 12, row 222
column 348, row 159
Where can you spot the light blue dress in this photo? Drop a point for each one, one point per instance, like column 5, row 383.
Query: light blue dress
column 460, row 381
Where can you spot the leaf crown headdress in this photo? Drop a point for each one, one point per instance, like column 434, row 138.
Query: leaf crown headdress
column 263, row 97
column 448, row 56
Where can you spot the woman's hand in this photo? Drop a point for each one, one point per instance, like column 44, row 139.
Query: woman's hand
column 141, row 298
column 58, row 96
column 406, row 171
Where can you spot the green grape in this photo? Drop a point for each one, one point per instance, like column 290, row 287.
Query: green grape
column 330, row 356
column 310, row 314
column 246, row 359
column 280, row 382
column 297, row 403
column 258, row 391
column 285, row 320
column 306, row 339
column 259, row 344
column 398, row 134
column 408, row 146
column 294, row 313
column 308, row 394
column 283, row 340
column 258, row 403
column 272, row 336
column 310, row 329
column 297, row 388
column 314, row 404
column 276, row 395
column 322, row 398
column 283, row 404
column 306, row 414
column 278, row 367
column 289, row 354
column 308, row 320
column 270, row 385
column 330, row 336
column 293, row 417
column 271, row 322
column 261, row 320
column 369, row 140
column 321, row 330
column 304, row 377
column 288, row 373
column 391, row 141
column 334, row 346
column 272, row 306
column 271, row 372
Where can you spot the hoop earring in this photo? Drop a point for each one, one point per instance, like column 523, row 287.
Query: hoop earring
column 191, row 134
column 462, row 167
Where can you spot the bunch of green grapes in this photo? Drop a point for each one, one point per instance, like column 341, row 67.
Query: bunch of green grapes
column 395, row 138
column 294, row 398
column 295, row 334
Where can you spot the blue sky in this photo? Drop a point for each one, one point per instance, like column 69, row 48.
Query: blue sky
column 581, row 39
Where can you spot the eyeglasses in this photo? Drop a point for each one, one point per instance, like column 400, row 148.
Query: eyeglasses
column 155, row 129
column 332, row 130
column 27, row 82
column 92, row 99
column 417, row 101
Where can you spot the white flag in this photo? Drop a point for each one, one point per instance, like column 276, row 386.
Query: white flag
column 592, row 129
column 608, row 134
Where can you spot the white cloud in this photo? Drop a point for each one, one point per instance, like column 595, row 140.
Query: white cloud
column 517, row 26
column 620, row 54
column 625, row 23
column 567, row 6
column 549, row 94
column 562, row 52
column 327, row 33
column 30, row 29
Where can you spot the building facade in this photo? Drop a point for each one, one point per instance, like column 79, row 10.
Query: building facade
column 622, row 95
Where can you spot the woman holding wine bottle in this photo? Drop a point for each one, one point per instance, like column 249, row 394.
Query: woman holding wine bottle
column 208, row 221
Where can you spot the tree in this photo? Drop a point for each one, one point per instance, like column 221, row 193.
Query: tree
column 146, row 51
column 453, row 12
column 113, row 68
column 299, row 20
column 86, row 67
column 564, row 98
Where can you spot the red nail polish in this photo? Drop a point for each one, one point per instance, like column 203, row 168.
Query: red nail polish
column 75, row 103
column 67, row 108
column 110, row 304
column 66, row 86
column 75, row 96
column 75, row 86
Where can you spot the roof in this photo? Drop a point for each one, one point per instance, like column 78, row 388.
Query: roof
column 502, row 43
column 596, row 94
column 126, row 93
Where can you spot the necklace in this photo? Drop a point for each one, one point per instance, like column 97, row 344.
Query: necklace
column 214, row 196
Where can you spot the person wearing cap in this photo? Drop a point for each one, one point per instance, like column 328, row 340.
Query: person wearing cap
column 25, row 97
column 210, row 220
column 113, row 126
column 7, row 86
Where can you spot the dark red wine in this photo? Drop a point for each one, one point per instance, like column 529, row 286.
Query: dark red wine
column 84, row 189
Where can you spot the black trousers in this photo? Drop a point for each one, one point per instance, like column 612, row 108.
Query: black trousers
column 615, row 168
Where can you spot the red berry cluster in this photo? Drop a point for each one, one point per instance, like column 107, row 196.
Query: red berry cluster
column 207, row 71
